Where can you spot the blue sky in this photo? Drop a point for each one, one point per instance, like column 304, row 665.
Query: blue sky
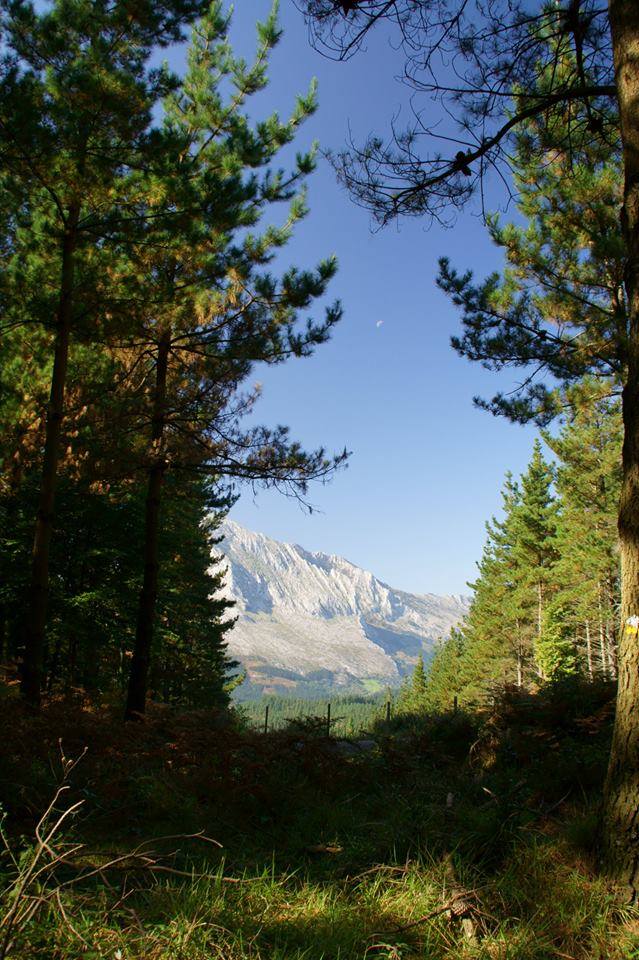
column 426, row 466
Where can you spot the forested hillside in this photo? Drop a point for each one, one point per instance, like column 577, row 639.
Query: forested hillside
column 341, row 716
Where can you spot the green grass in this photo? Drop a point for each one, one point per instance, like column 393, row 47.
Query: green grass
column 323, row 857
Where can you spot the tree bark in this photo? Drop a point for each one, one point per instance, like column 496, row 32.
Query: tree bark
column 139, row 673
column 589, row 651
column 72, row 665
column 621, row 796
column 603, row 647
column 540, row 609
column 520, row 658
column 33, row 663
column 4, row 632
column 611, row 651
column 540, row 620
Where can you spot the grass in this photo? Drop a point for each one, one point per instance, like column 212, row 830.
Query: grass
column 323, row 857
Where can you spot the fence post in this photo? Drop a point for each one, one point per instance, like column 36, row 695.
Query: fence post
column 328, row 720
column 266, row 719
column 388, row 711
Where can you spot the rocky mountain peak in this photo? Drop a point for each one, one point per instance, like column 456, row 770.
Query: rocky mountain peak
column 312, row 620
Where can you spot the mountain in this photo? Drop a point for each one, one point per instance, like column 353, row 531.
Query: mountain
column 309, row 623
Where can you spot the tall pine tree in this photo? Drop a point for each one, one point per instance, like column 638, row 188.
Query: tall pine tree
column 209, row 307
column 534, row 551
column 76, row 97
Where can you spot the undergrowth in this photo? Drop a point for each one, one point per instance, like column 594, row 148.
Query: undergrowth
column 460, row 836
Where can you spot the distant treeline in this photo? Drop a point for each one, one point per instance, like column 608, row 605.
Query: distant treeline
column 350, row 715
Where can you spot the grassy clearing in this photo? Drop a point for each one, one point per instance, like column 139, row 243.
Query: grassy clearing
column 323, row 856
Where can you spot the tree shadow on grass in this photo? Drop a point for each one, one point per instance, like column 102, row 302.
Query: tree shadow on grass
column 322, row 851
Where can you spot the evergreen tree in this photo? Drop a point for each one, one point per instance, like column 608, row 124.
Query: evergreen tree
column 170, row 304
column 588, row 480
column 412, row 692
column 496, row 632
column 209, row 308
column 567, row 71
column 94, row 594
column 76, row 97
column 418, row 681
column 444, row 680
column 499, row 640
column 534, row 531
column 191, row 666
column 547, row 590
column 556, row 647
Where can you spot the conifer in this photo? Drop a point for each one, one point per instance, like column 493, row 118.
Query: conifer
column 418, row 681
column 556, row 647
column 209, row 308
column 534, row 531
column 588, row 479
column 76, row 97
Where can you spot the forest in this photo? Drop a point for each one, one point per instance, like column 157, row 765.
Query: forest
column 151, row 268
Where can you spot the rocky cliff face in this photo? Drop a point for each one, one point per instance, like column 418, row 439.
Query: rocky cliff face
column 310, row 622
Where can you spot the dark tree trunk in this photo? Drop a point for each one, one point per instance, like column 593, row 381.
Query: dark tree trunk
column 4, row 633
column 55, row 664
column 138, row 676
column 33, row 665
column 72, row 667
column 90, row 663
column 621, row 800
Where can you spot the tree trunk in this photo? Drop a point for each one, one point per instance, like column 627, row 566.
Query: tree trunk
column 603, row 647
column 520, row 658
column 611, row 648
column 72, row 667
column 621, row 797
column 33, row 664
column 540, row 620
column 55, row 664
column 540, row 608
column 589, row 650
column 138, row 676
column 90, row 663
column 4, row 632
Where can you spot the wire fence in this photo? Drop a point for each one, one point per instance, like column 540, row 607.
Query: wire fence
column 330, row 718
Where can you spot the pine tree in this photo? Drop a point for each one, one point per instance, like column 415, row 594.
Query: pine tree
column 418, row 681
column 171, row 301
column 534, row 531
column 412, row 692
column 75, row 105
column 191, row 666
column 444, row 681
column 566, row 70
column 209, row 309
column 588, row 480
column 496, row 631
column 556, row 647
column 498, row 642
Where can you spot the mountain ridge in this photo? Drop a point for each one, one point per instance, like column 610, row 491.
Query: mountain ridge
column 311, row 622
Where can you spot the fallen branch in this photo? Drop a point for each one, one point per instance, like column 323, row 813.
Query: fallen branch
column 450, row 905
